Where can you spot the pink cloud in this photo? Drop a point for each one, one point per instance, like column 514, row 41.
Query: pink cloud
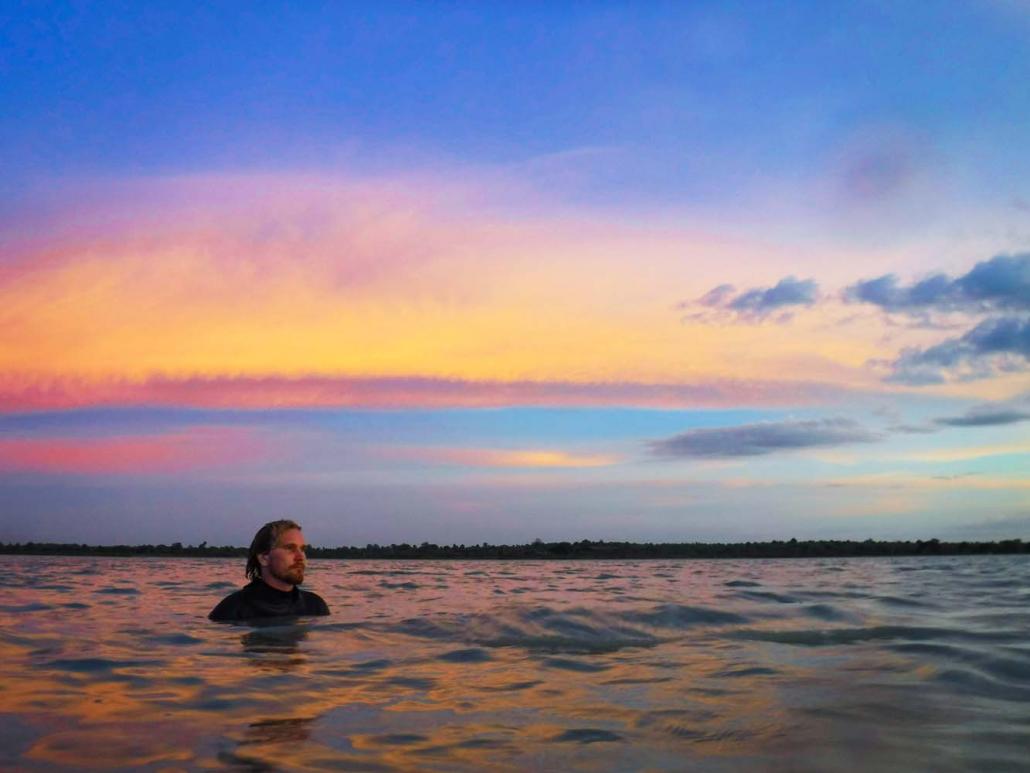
column 256, row 392
column 197, row 448
column 351, row 231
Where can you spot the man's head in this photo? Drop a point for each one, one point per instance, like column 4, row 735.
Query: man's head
column 277, row 555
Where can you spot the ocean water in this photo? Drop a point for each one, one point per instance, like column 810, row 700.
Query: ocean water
column 907, row 664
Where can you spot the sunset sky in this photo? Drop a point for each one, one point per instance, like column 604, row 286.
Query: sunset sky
column 465, row 272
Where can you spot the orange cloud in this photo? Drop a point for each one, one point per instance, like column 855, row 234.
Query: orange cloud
column 196, row 449
column 495, row 457
column 290, row 276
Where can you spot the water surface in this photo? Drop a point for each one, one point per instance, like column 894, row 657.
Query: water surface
column 916, row 664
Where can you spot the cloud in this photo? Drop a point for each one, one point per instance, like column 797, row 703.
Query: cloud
column 335, row 273
column 997, row 345
column 989, row 416
column 1001, row 283
column 762, row 438
column 23, row 394
column 506, row 458
column 198, row 448
column 968, row 453
column 754, row 305
column 879, row 170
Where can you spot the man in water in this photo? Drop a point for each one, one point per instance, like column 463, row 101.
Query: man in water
column 275, row 567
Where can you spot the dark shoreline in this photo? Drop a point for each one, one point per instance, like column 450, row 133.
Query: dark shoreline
column 582, row 550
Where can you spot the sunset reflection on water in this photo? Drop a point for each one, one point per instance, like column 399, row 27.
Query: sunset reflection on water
column 711, row 665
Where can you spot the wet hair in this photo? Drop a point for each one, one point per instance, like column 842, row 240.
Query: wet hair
column 266, row 539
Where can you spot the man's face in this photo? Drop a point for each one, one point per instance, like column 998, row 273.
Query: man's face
column 286, row 561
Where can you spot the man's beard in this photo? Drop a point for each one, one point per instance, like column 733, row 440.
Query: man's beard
column 294, row 575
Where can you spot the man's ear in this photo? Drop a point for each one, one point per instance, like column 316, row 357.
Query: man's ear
column 263, row 559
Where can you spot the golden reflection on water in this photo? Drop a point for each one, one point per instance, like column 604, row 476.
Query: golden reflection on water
column 617, row 666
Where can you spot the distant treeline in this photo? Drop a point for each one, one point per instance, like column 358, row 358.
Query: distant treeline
column 584, row 549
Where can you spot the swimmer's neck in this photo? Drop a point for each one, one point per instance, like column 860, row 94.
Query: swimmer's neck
column 274, row 582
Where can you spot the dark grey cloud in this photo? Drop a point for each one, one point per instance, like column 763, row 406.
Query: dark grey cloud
column 985, row 419
column 756, row 304
column 912, row 429
column 996, row 292
column 991, row 414
column 997, row 345
column 789, row 291
column 1001, row 283
column 762, row 438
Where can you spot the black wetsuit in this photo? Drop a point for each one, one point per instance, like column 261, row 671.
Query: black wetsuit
column 261, row 600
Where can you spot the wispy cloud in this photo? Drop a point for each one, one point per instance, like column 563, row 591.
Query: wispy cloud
column 194, row 449
column 908, row 480
column 988, row 416
column 762, row 438
column 254, row 392
column 966, row 453
column 724, row 303
column 292, row 274
column 512, row 458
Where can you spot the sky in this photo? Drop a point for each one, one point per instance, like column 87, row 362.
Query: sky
column 496, row 272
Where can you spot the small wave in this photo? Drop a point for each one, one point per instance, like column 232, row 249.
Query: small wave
column 97, row 665
column 31, row 607
column 119, row 591
column 682, row 616
column 388, row 572
column 638, row 680
column 512, row 687
column 372, row 665
column 742, row 584
column 837, row 636
column 673, row 717
column 174, row 639
column 970, row 681
column 577, row 629
column 764, row 595
column 1014, row 667
column 900, row 601
column 396, row 739
column 565, row 664
column 412, row 682
column 536, row 629
column 423, row 628
column 470, row 655
column 825, row 612
column 587, row 735
column 483, row 743
column 736, row 673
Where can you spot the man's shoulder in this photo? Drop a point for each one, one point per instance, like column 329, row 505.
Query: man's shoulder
column 232, row 606
column 314, row 602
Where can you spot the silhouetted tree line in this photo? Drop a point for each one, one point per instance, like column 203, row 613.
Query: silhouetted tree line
column 584, row 549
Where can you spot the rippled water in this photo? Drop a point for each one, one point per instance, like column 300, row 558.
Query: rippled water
column 843, row 664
